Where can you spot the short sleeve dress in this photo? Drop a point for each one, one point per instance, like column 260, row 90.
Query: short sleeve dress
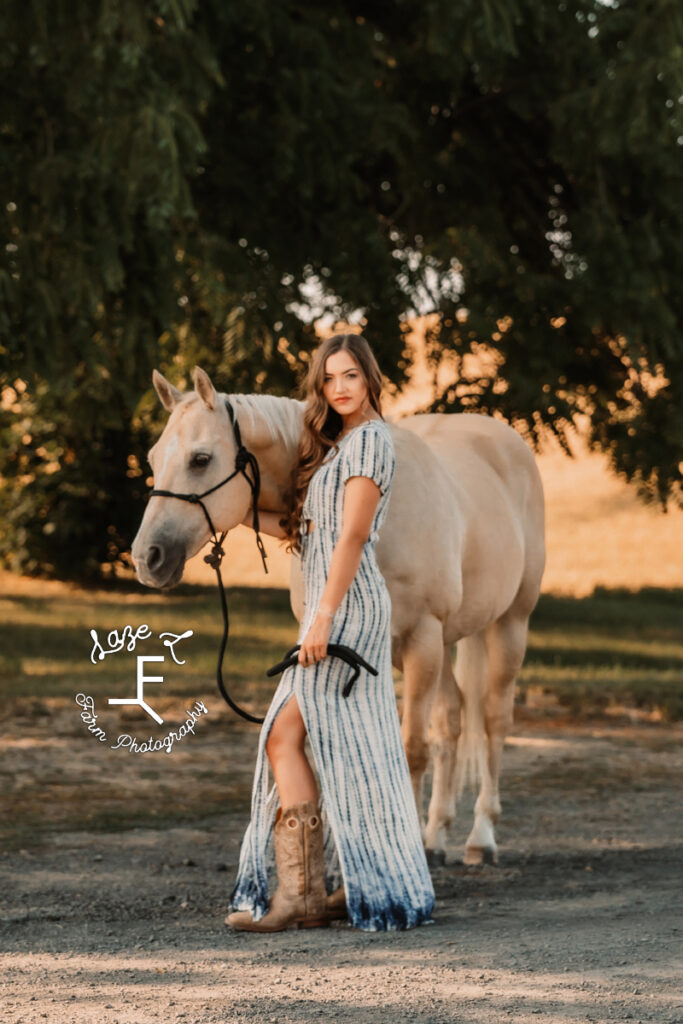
column 372, row 834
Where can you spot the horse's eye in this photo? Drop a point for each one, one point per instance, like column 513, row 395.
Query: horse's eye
column 200, row 460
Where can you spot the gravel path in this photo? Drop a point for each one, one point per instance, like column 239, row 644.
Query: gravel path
column 581, row 921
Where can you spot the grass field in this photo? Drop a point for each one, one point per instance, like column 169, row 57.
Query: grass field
column 616, row 648
column 594, row 654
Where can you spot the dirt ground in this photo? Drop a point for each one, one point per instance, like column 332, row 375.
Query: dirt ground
column 99, row 922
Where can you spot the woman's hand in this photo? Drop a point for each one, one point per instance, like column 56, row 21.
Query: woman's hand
column 314, row 644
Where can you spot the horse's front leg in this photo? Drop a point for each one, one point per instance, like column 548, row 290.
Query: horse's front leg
column 445, row 730
column 422, row 656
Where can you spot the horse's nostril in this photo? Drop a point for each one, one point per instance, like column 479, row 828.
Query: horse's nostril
column 155, row 557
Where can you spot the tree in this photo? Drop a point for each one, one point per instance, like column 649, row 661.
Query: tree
column 100, row 137
column 182, row 175
column 553, row 157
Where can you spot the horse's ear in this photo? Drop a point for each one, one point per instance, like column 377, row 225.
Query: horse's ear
column 204, row 388
column 168, row 395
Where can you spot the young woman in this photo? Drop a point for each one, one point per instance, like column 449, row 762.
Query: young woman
column 359, row 839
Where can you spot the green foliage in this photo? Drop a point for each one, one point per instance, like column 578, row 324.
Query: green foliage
column 178, row 176
column 554, row 144
column 73, row 493
column 99, row 111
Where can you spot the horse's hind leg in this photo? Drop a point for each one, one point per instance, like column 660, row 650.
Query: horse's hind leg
column 505, row 647
column 445, row 729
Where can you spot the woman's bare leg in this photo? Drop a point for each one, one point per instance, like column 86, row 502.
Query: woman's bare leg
column 294, row 777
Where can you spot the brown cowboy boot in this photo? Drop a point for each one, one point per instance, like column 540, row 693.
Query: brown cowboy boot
column 300, row 897
column 335, row 907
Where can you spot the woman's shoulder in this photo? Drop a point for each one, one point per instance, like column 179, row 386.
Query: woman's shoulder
column 369, row 450
column 377, row 423
column 376, row 432
column 380, row 428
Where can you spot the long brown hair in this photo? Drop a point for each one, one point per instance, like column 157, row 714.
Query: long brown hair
column 322, row 424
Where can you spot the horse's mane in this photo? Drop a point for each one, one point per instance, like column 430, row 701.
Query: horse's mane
column 282, row 416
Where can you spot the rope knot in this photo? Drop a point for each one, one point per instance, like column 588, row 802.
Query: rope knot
column 215, row 557
column 242, row 458
column 193, row 499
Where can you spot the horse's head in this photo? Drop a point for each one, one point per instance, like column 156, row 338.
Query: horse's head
column 195, row 452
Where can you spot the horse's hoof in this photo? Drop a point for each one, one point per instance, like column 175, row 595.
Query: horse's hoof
column 435, row 858
column 480, row 855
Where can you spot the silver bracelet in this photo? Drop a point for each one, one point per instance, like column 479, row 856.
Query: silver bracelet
column 322, row 611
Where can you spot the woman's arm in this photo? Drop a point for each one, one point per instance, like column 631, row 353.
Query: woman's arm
column 361, row 499
column 269, row 522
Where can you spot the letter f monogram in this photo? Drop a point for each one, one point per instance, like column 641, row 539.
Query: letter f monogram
column 139, row 701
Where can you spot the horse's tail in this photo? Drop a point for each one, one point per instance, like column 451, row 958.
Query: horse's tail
column 471, row 665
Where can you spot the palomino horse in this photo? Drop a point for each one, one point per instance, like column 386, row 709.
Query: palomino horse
column 461, row 549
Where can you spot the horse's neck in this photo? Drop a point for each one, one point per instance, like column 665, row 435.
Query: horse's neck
column 270, row 427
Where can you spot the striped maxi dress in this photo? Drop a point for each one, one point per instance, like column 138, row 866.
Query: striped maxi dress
column 371, row 829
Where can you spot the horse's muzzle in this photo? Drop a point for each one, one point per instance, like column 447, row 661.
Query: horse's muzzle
column 161, row 564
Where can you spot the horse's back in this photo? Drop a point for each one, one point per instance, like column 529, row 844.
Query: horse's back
column 474, row 447
column 502, row 511
column 460, row 437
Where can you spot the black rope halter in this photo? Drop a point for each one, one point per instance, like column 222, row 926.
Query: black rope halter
column 243, row 459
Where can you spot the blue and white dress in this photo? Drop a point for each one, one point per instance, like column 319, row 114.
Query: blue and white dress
column 372, row 833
